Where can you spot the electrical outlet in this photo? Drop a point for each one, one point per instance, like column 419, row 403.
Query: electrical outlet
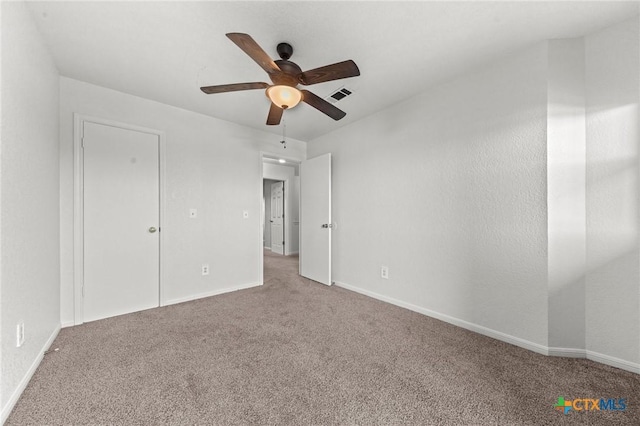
column 205, row 269
column 384, row 272
column 20, row 334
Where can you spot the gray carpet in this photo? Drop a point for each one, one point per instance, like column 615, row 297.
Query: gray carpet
column 296, row 352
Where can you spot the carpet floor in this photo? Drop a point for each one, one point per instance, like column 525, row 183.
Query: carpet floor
column 295, row 352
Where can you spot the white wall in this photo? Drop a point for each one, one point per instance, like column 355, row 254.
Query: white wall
column 613, row 255
column 566, row 145
column 30, row 274
column 295, row 215
column 514, row 184
column 287, row 174
column 448, row 189
column 211, row 165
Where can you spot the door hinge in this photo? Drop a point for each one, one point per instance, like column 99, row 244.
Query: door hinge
column 82, row 142
column 82, row 291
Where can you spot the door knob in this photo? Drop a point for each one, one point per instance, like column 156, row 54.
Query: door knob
column 152, row 230
column 327, row 225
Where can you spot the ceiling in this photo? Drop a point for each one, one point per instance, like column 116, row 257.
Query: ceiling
column 165, row 51
column 288, row 163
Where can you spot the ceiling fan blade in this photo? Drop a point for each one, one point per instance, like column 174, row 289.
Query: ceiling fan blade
column 275, row 114
column 330, row 72
column 251, row 48
column 322, row 105
column 209, row 90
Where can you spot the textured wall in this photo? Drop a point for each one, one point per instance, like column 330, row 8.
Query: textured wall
column 211, row 165
column 30, row 197
column 566, row 145
column 511, row 185
column 295, row 215
column 448, row 189
column 613, row 246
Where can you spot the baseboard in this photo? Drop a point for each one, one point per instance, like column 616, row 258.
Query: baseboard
column 614, row 362
column 68, row 324
column 535, row 347
column 498, row 335
column 267, row 248
column 6, row 410
column 567, row 352
column 210, row 293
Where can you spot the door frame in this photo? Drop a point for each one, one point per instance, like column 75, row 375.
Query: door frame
column 78, row 204
column 287, row 191
column 264, row 210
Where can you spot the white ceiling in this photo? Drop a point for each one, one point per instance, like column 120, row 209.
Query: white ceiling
column 165, row 51
column 288, row 163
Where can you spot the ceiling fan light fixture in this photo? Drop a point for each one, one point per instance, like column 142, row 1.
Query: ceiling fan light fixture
column 284, row 97
column 286, row 76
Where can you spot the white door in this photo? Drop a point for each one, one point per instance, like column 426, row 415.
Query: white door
column 121, row 220
column 277, row 217
column 315, row 219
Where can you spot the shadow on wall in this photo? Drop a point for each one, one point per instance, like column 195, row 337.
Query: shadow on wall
column 487, row 197
column 613, row 244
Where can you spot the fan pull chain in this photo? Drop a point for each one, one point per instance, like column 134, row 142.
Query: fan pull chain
column 284, row 133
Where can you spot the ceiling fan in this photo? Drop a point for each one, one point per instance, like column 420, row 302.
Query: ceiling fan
column 286, row 76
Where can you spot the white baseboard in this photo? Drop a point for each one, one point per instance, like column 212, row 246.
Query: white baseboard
column 68, row 324
column 535, row 347
column 614, row 362
column 596, row 357
column 8, row 407
column 267, row 248
column 526, row 344
column 210, row 293
column 567, row 352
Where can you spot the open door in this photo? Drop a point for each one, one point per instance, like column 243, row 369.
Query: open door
column 315, row 219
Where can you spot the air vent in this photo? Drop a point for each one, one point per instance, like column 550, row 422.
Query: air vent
column 339, row 95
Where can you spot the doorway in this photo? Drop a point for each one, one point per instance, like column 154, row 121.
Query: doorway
column 309, row 241
column 280, row 206
column 273, row 218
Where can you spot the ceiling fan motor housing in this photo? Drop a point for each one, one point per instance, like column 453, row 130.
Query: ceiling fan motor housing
column 290, row 70
column 284, row 50
column 289, row 75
